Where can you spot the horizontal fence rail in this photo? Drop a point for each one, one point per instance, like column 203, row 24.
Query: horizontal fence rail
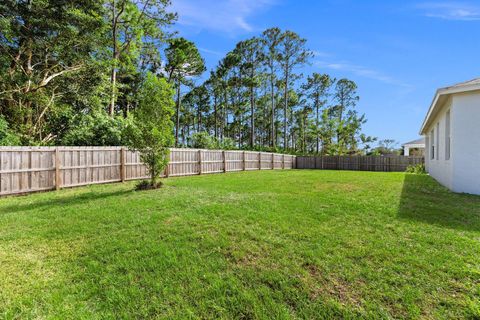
column 358, row 163
column 31, row 169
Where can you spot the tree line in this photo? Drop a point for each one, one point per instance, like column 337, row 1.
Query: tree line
column 257, row 98
column 77, row 73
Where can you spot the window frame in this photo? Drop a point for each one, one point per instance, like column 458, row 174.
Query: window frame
column 448, row 143
column 432, row 144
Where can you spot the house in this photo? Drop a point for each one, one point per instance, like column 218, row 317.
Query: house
column 452, row 137
column 414, row 148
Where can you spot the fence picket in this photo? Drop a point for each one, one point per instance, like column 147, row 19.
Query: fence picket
column 29, row 169
column 359, row 163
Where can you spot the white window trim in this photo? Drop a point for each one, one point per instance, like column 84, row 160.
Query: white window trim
column 432, row 144
column 448, row 135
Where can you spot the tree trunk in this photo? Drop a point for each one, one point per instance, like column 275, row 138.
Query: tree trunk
column 215, row 114
column 113, row 77
column 285, row 138
column 317, row 124
column 273, row 113
column 304, row 133
column 199, row 122
column 252, row 118
column 340, row 118
column 152, row 172
column 240, row 131
column 177, row 125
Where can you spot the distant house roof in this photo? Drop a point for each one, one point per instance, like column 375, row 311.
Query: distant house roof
column 420, row 141
column 442, row 95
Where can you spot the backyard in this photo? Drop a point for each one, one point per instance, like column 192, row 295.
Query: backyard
column 262, row 244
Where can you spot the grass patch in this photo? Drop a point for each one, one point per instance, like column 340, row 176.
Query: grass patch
column 270, row 244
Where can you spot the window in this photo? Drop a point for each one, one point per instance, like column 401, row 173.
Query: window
column 447, row 136
column 432, row 145
column 437, row 139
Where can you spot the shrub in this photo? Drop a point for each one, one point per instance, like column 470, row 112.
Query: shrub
column 203, row 140
column 147, row 185
column 7, row 137
column 227, row 144
column 416, row 169
column 151, row 131
column 96, row 129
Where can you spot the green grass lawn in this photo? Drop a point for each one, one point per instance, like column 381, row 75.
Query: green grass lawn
column 270, row 244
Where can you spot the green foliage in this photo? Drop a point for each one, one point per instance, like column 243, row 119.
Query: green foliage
column 64, row 65
column 136, row 33
column 417, row 169
column 38, row 62
column 183, row 59
column 226, row 144
column 151, row 130
column 7, row 137
column 386, row 147
column 256, row 97
column 96, row 129
column 203, row 140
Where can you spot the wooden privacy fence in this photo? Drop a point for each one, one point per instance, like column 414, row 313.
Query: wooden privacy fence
column 359, row 163
column 30, row 169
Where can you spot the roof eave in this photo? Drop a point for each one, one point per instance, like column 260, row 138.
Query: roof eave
column 430, row 110
column 442, row 92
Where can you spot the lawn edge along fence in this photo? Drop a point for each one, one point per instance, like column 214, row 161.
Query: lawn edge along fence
column 32, row 169
column 358, row 163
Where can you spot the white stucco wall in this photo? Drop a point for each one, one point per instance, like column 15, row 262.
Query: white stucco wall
column 466, row 142
column 440, row 168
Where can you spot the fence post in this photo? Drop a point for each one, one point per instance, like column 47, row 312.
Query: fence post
column 200, row 161
column 243, row 160
column 224, row 161
column 122, row 164
column 259, row 161
column 57, row 169
column 283, row 161
column 273, row 161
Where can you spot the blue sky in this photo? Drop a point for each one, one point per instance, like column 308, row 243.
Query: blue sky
column 398, row 52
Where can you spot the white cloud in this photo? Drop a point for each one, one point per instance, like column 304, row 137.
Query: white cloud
column 321, row 54
column 229, row 16
column 361, row 71
column 451, row 11
column 212, row 52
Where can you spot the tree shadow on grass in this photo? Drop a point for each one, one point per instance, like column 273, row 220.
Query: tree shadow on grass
column 24, row 204
column 425, row 200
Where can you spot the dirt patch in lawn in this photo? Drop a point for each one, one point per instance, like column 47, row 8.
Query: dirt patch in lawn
column 323, row 285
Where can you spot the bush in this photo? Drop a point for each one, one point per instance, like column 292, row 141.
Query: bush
column 96, row 129
column 416, row 169
column 227, row 144
column 202, row 140
column 148, row 185
column 7, row 137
